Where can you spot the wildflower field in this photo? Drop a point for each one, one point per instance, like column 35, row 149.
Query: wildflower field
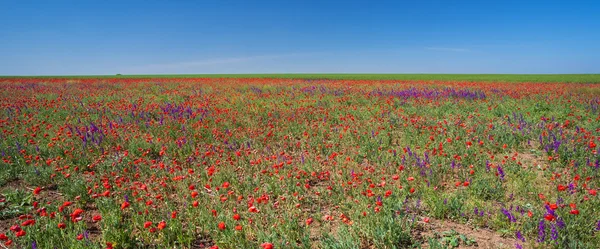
column 298, row 163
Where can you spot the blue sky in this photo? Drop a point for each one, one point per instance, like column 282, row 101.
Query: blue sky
column 225, row 36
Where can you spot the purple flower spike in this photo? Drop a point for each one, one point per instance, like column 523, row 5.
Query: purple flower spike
column 520, row 236
column 541, row 231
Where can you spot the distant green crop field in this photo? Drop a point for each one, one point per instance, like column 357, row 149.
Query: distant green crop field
column 578, row 78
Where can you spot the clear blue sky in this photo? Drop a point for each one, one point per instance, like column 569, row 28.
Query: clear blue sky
column 285, row 36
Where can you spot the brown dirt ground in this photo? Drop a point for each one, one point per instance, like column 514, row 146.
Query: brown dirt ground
column 485, row 238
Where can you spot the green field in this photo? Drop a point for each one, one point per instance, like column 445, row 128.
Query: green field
column 578, row 78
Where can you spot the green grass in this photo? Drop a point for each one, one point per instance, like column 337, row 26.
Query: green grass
column 577, row 78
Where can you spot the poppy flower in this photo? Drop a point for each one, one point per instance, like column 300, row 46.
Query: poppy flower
column 253, row 209
column 37, row 191
column 161, row 225
column 147, row 224
column 266, row 245
column 62, row 225
column 549, row 217
column 21, row 233
column 236, row 216
column 309, row 221
column 28, row 223
column 124, row 205
column 221, row 226
column 574, row 211
column 79, row 236
column 3, row 237
column 76, row 215
column 97, row 218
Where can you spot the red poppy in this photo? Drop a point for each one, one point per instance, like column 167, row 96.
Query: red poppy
column 549, row 217
column 236, row 216
column 28, row 223
column 124, row 205
column 222, row 226
column 97, row 218
column 37, row 191
column 147, row 224
column 309, row 221
column 161, row 225
column 574, row 211
column 266, row 245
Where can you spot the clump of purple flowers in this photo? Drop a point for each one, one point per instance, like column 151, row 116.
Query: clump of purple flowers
column 520, row 236
column 500, row 172
column 541, row 231
column 509, row 215
column 553, row 232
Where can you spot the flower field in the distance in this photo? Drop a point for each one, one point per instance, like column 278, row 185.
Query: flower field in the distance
column 298, row 163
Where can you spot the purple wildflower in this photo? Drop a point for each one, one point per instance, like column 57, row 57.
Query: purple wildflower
column 509, row 215
column 518, row 246
column 520, row 236
column 550, row 211
column 554, row 232
column 560, row 223
column 541, row 231
column 501, row 172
